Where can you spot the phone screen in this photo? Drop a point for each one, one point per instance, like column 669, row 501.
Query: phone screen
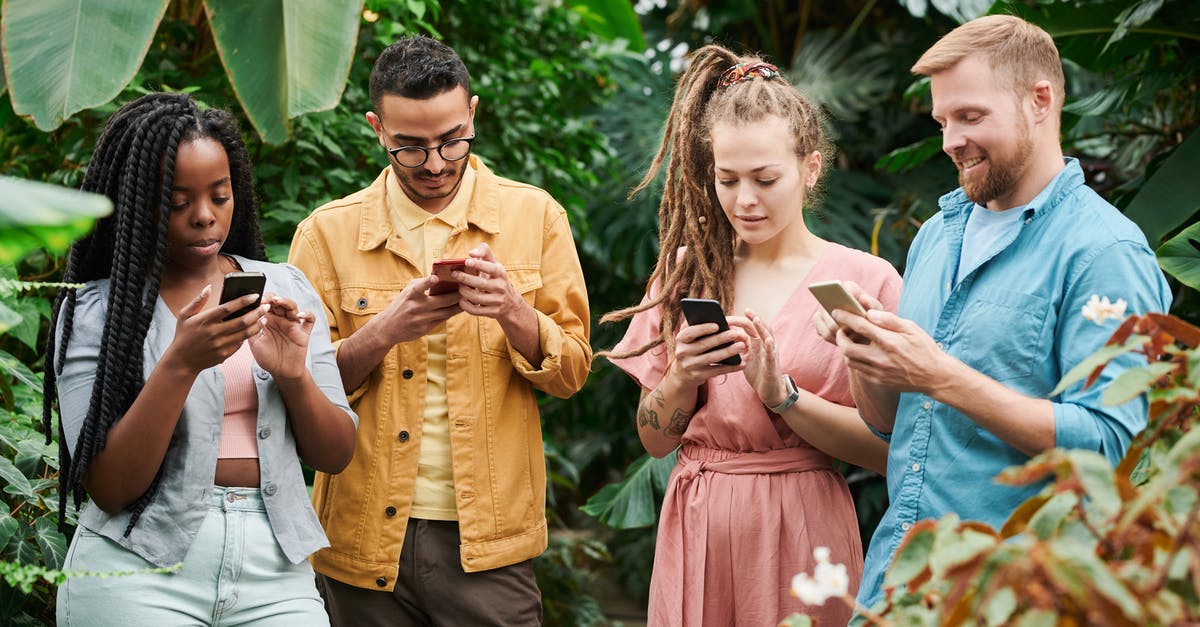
column 705, row 310
column 238, row 284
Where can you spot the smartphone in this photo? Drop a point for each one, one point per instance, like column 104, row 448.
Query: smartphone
column 238, row 284
column 442, row 269
column 833, row 295
column 705, row 310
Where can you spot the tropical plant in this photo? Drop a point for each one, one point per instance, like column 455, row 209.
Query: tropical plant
column 283, row 58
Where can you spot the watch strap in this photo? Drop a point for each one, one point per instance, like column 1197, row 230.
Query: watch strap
column 793, row 395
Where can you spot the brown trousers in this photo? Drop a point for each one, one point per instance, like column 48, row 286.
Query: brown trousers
column 433, row 591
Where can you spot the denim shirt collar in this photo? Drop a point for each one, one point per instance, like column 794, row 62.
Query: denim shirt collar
column 956, row 206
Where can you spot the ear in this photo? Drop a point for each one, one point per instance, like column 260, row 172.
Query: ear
column 1041, row 100
column 812, row 164
column 376, row 125
column 474, row 102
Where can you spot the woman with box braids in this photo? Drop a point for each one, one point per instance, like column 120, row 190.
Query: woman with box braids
column 755, row 489
column 168, row 398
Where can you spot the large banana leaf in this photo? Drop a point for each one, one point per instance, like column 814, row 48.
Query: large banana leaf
column 38, row 215
column 64, row 56
column 285, row 57
column 1180, row 256
column 619, row 21
column 634, row 501
column 1171, row 195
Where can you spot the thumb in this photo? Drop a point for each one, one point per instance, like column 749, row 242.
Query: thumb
column 197, row 304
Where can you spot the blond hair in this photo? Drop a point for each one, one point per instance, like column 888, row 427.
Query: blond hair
column 690, row 216
column 1020, row 53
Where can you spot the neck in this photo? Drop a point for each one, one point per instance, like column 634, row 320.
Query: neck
column 1044, row 164
column 175, row 274
column 795, row 243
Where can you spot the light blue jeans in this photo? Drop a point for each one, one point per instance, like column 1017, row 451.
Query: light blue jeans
column 233, row 574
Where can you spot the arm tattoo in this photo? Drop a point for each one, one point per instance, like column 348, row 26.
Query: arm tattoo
column 679, row 423
column 647, row 416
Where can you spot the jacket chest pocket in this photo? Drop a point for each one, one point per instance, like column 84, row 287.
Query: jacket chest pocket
column 527, row 281
column 359, row 304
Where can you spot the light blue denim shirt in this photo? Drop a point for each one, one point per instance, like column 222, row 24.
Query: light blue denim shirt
column 1015, row 318
column 171, row 520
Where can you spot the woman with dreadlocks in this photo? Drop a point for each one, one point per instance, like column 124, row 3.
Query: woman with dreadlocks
column 756, row 489
column 185, row 429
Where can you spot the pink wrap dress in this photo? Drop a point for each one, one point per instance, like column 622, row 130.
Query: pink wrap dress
column 749, row 499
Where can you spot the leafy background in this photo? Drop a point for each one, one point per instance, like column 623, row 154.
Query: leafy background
column 573, row 96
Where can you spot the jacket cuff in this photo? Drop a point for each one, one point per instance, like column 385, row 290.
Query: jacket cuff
column 550, row 339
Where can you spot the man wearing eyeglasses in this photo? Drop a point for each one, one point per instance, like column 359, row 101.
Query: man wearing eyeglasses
column 442, row 509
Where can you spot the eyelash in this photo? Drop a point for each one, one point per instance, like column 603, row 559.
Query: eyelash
column 766, row 183
column 220, row 200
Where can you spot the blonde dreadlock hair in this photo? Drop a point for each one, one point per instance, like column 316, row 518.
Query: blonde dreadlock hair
column 690, row 217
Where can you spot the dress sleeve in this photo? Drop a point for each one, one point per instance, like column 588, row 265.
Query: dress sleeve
column 648, row 368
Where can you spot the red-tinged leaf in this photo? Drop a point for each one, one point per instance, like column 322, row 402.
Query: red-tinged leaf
column 1033, row 470
column 959, row 547
column 1046, row 521
column 1019, row 519
column 1091, row 367
column 1184, row 332
column 1123, row 332
column 912, row 556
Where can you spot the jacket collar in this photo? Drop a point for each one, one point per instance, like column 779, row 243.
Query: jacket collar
column 483, row 212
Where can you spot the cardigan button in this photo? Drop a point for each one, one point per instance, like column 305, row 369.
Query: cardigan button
column 381, row 582
column 407, row 374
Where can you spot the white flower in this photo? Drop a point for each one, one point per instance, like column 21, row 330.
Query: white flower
column 828, row 580
column 1099, row 310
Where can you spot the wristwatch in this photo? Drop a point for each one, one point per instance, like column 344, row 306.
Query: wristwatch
column 793, row 395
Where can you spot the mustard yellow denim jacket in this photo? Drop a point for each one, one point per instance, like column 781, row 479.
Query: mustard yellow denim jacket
column 358, row 264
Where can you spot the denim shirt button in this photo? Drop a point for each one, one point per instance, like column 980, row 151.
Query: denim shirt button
column 270, row 489
column 264, row 433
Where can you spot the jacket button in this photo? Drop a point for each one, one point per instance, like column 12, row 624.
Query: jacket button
column 362, row 304
column 391, row 511
column 403, row 436
column 263, row 374
column 264, row 433
column 407, row 374
column 270, row 489
column 381, row 582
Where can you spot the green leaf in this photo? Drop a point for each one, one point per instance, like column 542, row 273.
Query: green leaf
column 64, row 56
column 617, row 20
column 8, row 318
column 1170, row 196
column 13, row 366
column 284, row 57
column 912, row 558
column 633, row 502
column 17, row 483
column 51, row 541
column 1037, row 618
column 1180, row 256
column 1099, row 482
column 910, row 156
column 1047, row 519
column 1083, row 574
column 958, row 547
column 1107, row 353
column 1133, row 382
column 3, row 82
column 1000, row 607
column 796, row 620
column 38, row 215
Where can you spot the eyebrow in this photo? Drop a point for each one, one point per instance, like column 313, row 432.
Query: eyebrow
column 217, row 183
column 411, row 138
column 758, row 169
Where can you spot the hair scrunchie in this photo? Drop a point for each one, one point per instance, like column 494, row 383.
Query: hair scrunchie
column 746, row 71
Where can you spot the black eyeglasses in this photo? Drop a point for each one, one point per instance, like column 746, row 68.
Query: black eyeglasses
column 455, row 149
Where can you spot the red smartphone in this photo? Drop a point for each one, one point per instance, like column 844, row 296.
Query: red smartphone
column 442, row 269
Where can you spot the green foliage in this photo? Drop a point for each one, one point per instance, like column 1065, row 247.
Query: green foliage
column 565, row 573
column 1180, row 256
column 1096, row 545
column 36, row 215
column 283, row 58
column 633, row 502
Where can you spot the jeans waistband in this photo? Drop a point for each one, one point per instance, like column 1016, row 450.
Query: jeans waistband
column 237, row 499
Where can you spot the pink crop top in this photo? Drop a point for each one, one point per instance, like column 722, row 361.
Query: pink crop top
column 238, row 439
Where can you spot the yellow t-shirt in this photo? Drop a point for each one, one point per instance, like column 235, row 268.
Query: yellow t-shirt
column 426, row 235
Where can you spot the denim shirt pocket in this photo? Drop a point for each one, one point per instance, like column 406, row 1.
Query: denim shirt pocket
column 1001, row 333
column 526, row 281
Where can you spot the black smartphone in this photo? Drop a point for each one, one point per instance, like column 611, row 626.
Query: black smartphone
column 238, row 284
column 705, row 310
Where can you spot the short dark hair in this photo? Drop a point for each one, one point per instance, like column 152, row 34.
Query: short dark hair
column 417, row 67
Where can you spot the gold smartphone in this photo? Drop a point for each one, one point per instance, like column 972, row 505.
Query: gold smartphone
column 833, row 295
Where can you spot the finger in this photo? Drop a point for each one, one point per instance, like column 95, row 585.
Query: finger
column 197, row 304
column 858, row 325
column 690, row 333
column 484, row 252
column 253, row 319
column 890, row 321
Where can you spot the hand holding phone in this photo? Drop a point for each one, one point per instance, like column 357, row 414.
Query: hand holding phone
column 239, row 284
column 442, row 269
column 833, row 295
column 704, row 310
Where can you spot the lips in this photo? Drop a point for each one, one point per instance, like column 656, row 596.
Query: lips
column 967, row 164
column 204, row 244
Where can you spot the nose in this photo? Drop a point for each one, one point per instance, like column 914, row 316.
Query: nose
column 205, row 214
column 952, row 139
column 435, row 163
column 746, row 196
